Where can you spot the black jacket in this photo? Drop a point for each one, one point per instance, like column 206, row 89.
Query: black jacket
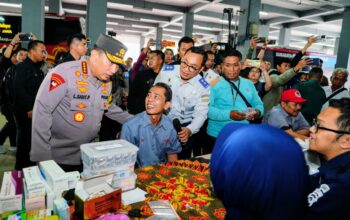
column 28, row 78
column 142, row 82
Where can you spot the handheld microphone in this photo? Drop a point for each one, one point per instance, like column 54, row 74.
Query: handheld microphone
column 177, row 125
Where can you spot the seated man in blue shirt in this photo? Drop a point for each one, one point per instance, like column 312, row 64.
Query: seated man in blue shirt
column 330, row 136
column 287, row 115
column 152, row 131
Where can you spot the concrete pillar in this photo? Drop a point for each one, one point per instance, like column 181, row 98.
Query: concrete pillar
column 248, row 19
column 187, row 24
column 343, row 50
column 159, row 37
column 33, row 17
column 96, row 19
column 142, row 42
column 336, row 45
column 55, row 6
column 264, row 31
column 284, row 37
column 219, row 37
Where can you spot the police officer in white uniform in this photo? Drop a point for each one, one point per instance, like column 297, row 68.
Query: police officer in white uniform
column 71, row 102
column 191, row 95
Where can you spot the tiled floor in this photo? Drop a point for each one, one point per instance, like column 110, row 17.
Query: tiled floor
column 7, row 161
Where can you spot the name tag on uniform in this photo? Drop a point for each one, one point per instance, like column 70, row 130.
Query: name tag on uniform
column 203, row 82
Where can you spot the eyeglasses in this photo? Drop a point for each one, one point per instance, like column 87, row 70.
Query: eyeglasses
column 318, row 127
column 192, row 69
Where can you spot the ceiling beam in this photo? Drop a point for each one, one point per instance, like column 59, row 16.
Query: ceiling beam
column 306, row 17
column 126, row 14
column 123, row 28
column 315, row 31
column 149, row 5
column 278, row 10
column 333, row 17
column 201, row 6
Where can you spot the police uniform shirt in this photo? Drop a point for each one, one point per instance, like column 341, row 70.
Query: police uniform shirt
column 190, row 99
column 68, row 111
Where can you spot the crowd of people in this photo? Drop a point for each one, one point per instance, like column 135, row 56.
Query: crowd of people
column 185, row 105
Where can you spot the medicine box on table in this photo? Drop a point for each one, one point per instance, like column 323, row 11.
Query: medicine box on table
column 106, row 157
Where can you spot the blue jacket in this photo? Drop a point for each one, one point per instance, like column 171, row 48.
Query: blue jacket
column 223, row 100
column 330, row 196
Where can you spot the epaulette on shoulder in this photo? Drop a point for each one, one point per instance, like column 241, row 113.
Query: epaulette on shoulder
column 215, row 81
column 168, row 67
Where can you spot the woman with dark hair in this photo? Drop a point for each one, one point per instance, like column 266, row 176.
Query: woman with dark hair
column 263, row 177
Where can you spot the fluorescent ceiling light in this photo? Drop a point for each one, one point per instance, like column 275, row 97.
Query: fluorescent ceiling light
column 73, row 11
column 264, row 13
column 115, row 16
column 203, row 28
column 132, row 31
column 141, row 26
column 112, row 23
column 148, row 20
column 12, row 5
column 173, row 30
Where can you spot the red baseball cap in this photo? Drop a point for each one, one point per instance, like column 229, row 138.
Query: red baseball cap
column 292, row 95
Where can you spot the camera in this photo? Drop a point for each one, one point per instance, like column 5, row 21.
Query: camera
column 321, row 38
column 26, row 37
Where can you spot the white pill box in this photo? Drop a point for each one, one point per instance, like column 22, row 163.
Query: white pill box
column 106, row 157
column 33, row 182
column 55, row 177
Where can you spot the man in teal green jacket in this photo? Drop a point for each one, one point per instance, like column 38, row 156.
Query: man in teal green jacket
column 226, row 105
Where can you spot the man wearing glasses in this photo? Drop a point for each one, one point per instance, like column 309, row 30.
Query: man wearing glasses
column 191, row 95
column 330, row 136
column 287, row 115
column 28, row 77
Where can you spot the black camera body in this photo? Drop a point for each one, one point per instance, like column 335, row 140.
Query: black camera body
column 26, row 37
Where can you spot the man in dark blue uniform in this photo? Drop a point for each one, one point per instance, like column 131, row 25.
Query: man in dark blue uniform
column 330, row 136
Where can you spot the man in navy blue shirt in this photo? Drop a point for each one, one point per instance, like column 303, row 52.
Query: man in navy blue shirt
column 152, row 131
column 329, row 197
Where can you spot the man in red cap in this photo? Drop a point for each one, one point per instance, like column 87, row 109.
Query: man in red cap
column 287, row 115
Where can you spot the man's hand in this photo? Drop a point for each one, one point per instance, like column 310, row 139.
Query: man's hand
column 302, row 63
column 30, row 114
column 184, row 134
column 312, row 39
column 253, row 116
column 237, row 116
column 253, row 41
column 16, row 39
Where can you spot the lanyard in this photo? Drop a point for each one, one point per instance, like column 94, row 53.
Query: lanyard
column 234, row 97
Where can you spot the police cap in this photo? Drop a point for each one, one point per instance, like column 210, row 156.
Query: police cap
column 114, row 49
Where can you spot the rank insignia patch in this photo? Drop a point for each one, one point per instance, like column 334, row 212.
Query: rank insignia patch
column 83, row 89
column 77, row 73
column 84, row 67
column 82, row 83
column 81, row 105
column 56, row 81
column 79, row 117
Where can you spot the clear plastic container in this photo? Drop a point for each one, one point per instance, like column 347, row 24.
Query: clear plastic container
column 125, row 183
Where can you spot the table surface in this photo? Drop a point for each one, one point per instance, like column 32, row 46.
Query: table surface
column 186, row 184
